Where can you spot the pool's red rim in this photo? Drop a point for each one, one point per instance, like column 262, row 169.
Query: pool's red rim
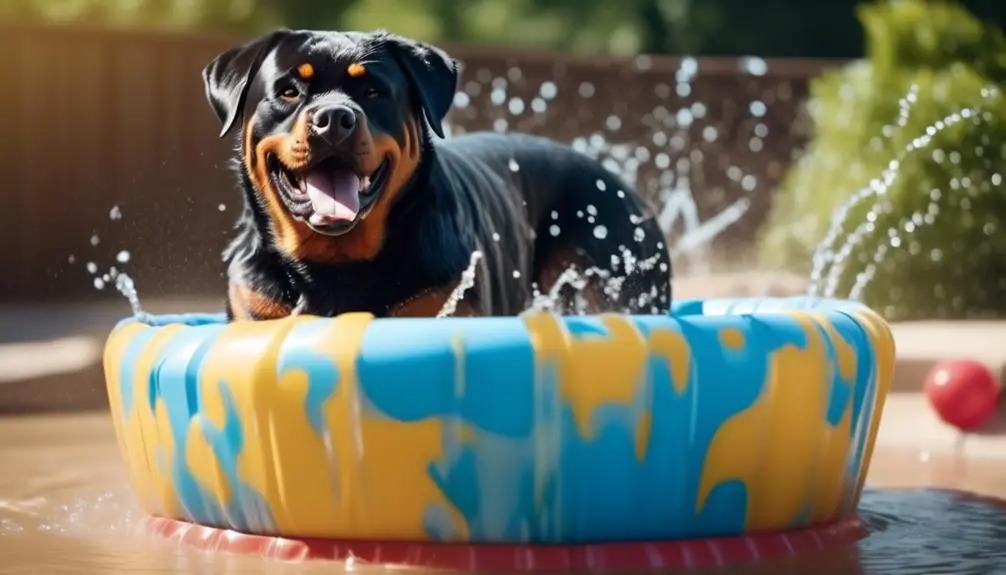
column 609, row 557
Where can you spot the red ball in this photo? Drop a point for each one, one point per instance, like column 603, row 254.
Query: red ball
column 963, row 392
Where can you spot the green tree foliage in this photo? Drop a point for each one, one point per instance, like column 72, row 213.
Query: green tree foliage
column 768, row 28
column 933, row 239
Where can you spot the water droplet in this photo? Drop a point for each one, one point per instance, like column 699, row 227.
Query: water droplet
column 639, row 235
column 548, row 90
column 516, row 106
column 514, row 166
column 554, row 230
column 601, row 185
column 122, row 257
column 754, row 65
column 222, row 207
column 72, row 258
column 600, row 232
column 496, row 237
column 461, row 99
column 516, row 274
column 95, row 240
column 92, row 268
column 115, row 213
column 591, row 209
column 99, row 283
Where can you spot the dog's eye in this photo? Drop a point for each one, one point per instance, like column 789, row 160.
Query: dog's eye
column 372, row 93
column 290, row 94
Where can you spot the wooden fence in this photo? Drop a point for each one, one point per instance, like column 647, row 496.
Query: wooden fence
column 98, row 123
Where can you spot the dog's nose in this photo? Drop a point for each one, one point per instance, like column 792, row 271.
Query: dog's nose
column 334, row 123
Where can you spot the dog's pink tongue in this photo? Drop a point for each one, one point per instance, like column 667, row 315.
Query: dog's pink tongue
column 334, row 196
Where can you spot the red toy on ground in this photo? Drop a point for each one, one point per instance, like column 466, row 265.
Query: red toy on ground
column 963, row 392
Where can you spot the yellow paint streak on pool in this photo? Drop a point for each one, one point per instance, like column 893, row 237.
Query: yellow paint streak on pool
column 598, row 370
column 548, row 342
column 153, row 427
column 115, row 350
column 383, row 480
column 774, row 445
column 204, row 464
column 644, row 429
column 243, row 357
column 732, row 338
column 882, row 340
column 835, row 441
column 161, row 476
column 673, row 347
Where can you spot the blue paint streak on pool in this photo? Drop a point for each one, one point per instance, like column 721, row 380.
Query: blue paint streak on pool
column 246, row 510
column 177, row 369
column 410, row 378
column 841, row 388
column 301, row 352
column 683, row 426
column 175, row 382
column 418, row 381
column 863, row 396
column 128, row 370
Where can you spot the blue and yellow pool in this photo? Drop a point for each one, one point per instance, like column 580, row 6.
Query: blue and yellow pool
column 726, row 418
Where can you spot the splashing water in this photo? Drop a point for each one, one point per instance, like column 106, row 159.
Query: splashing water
column 127, row 288
column 113, row 275
column 466, row 283
column 826, row 255
column 611, row 285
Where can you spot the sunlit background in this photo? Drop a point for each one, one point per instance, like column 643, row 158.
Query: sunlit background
column 845, row 149
column 745, row 124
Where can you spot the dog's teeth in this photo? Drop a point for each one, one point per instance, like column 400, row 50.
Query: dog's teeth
column 364, row 182
column 302, row 185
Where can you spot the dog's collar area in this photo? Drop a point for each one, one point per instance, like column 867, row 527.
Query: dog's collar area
column 392, row 309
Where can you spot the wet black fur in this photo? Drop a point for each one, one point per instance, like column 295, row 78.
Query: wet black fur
column 464, row 195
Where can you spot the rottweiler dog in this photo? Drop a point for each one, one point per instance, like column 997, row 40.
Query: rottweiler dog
column 355, row 201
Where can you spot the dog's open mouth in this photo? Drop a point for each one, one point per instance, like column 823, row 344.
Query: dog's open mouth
column 331, row 196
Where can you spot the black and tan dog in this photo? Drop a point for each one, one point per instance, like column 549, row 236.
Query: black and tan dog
column 352, row 205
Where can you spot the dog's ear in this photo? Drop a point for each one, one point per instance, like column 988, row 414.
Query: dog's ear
column 226, row 77
column 433, row 73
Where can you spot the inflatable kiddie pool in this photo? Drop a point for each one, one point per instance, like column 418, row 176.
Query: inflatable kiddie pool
column 727, row 431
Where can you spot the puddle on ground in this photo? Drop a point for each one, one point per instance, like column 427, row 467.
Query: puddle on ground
column 65, row 508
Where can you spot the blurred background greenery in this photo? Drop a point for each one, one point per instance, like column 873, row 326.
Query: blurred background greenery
column 767, row 28
column 930, row 244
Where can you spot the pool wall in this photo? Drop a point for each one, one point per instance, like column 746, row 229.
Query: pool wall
column 726, row 417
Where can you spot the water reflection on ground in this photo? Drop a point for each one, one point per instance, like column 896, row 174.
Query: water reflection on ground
column 65, row 508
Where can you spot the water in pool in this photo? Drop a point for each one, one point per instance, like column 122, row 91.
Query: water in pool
column 65, row 506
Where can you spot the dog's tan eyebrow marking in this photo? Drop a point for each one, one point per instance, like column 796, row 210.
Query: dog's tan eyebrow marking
column 305, row 71
column 355, row 70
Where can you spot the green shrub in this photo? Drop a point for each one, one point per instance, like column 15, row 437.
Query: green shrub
column 939, row 231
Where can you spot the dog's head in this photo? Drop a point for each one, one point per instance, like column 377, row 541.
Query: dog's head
column 332, row 128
